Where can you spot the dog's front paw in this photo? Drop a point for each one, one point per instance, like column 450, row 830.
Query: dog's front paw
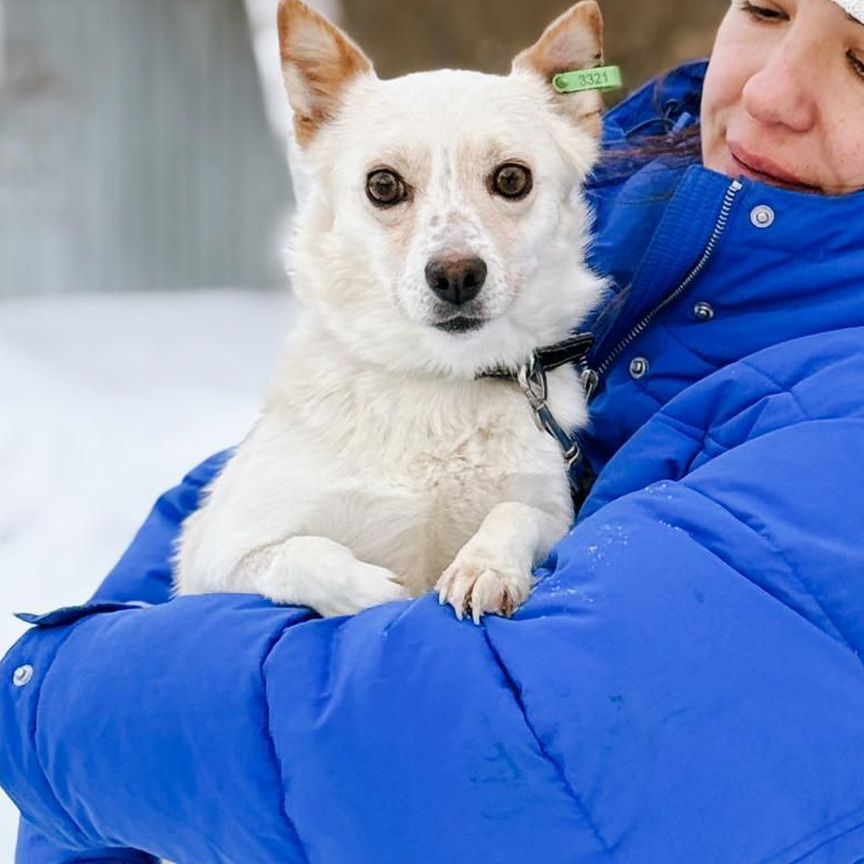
column 478, row 585
column 323, row 574
column 361, row 587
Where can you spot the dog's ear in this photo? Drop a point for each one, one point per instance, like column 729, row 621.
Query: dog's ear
column 318, row 62
column 573, row 41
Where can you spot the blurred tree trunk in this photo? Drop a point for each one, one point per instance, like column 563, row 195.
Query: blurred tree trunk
column 410, row 35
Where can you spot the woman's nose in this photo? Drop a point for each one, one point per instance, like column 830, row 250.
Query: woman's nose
column 782, row 91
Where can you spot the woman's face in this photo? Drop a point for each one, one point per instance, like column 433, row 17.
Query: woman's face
column 784, row 96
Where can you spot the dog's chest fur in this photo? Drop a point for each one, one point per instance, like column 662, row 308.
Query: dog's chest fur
column 402, row 470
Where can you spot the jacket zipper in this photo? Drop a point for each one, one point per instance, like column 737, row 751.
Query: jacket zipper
column 592, row 377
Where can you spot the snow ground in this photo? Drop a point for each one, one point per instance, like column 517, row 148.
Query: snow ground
column 105, row 402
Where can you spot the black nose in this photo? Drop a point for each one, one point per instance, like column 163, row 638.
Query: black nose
column 456, row 280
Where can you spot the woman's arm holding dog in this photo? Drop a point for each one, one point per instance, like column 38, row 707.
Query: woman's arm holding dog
column 690, row 657
column 34, row 847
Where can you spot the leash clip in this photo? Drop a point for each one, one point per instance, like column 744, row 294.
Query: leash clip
column 532, row 381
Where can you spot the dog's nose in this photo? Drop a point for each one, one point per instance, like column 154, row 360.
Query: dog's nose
column 456, row 280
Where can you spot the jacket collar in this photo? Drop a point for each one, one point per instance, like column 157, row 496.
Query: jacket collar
column 654, row 220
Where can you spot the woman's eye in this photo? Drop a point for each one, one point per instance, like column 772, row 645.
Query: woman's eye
column 762, row 13
column 857, row 64
column 511, row 181
column 385, row 188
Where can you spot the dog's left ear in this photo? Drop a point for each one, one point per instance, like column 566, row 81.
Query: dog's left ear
column 572, row 42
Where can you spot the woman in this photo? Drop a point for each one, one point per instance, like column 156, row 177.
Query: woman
column 685, row 684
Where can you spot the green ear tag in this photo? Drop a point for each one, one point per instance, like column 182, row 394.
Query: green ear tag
column 601, row 78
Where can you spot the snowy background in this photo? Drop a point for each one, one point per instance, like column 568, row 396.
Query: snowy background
column 105, row 402
column 128, row 181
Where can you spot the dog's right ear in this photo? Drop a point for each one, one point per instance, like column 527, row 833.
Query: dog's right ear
column 318, row 62
column 572, row 42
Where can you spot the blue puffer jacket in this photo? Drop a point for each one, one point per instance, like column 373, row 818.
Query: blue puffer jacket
column 685, row 685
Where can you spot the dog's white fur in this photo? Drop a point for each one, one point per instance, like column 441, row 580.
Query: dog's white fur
column 380, row 466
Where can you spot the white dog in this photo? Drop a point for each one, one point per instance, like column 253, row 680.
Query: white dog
column 443, row 237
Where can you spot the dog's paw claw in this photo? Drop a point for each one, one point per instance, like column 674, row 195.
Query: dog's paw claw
column 479, row 590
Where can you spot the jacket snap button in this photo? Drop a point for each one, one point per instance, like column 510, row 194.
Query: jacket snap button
column 22, row 675
column 703, row 311
column 638, row 367
column 762, row 216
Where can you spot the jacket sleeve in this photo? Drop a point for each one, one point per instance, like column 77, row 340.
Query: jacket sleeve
column 141, row 577
column 685, row 683
column 34, row 848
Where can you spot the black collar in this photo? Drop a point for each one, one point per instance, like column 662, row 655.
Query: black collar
column 575, row 349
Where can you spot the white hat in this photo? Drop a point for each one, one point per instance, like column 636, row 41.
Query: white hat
column 854, row 7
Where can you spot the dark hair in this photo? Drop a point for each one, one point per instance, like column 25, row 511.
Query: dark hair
column 677, row 147
column 673, row 151
column 670, row 134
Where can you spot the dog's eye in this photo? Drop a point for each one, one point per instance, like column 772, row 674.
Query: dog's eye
column 385, row 188
column 511, row 180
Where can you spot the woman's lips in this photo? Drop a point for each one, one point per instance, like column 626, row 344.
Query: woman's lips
column 760, row 168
